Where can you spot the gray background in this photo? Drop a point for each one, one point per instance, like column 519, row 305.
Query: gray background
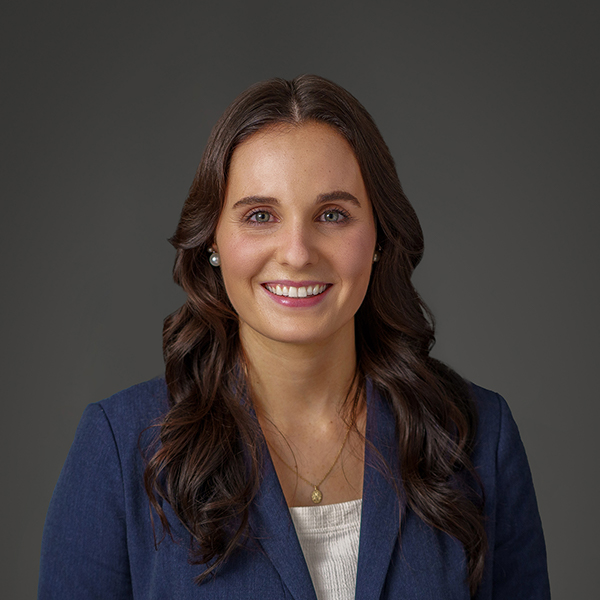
column 491, row 111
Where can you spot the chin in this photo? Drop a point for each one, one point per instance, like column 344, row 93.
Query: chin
column 295, row 334
column 294, row 337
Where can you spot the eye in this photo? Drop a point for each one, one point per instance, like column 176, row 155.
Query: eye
column 259, row 216
column 334, row 215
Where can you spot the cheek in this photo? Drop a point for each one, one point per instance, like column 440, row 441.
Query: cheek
column 240, row 261
column 356, row 259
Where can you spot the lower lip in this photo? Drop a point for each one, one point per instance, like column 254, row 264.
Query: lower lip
column 298, row 302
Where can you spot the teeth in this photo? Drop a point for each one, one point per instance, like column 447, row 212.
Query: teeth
column 296, row 292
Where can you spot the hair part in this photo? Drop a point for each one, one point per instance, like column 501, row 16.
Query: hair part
column 208, row 462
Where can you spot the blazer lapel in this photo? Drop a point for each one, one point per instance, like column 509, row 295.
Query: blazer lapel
column 272, row 525
column 380, row 519
column 416, row 562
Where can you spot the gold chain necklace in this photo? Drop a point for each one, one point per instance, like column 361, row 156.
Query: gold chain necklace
column 317, row 494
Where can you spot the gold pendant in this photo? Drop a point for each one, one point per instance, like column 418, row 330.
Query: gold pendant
column 316, row 496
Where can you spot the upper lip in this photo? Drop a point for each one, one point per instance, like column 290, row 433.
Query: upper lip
column 289, row 283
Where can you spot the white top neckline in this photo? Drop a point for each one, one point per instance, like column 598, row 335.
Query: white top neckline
column 329, row 536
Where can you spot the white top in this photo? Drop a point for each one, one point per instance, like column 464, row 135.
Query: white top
column 329, row 536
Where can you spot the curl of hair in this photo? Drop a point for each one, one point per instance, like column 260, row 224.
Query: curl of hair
column 207, row 464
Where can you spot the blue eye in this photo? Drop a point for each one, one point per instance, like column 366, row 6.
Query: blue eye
column 259, row 216
column 334, row 215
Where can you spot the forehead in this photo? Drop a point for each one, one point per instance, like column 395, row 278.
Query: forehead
column 311, row 155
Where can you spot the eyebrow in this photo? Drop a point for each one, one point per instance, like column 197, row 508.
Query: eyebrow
column 321, row 199
column 253, row 200
column 337, row 195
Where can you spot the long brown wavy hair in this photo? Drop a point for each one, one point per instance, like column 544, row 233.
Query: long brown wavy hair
column 207, row 463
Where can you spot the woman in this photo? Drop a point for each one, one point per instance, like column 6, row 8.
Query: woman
column 303, row 442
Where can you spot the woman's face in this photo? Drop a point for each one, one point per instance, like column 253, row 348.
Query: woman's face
column 296, row 235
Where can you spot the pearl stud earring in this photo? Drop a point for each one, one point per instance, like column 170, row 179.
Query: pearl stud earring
column 214, row 258
column 377, row 253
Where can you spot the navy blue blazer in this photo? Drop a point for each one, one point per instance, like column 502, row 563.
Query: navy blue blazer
column 99, row 542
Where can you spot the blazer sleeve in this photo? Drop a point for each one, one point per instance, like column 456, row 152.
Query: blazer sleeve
column 519, row 563
column 84, row 548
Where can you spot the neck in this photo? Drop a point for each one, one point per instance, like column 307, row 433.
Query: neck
column 299, row 382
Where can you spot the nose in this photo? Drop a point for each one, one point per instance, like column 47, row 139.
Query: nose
column 296, row 246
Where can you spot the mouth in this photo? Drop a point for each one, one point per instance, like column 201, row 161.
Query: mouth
column 292, row 291
column 296, row 291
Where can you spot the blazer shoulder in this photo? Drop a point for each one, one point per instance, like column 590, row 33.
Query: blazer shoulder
column 491, row 406
column 495, row 423
column 485, row 399
column 137, row 407
column 497, row 446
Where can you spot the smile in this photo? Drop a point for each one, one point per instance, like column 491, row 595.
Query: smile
column 291, row 291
